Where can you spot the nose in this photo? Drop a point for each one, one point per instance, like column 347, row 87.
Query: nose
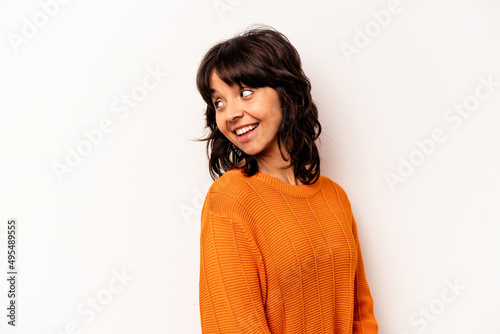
column 234, row 109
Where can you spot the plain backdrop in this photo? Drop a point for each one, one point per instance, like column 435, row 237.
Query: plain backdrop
column 99, row 112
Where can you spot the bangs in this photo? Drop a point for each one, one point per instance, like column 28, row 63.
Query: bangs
column 240, row 63
column 251, row 60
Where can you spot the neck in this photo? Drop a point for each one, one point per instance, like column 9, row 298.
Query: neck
column 274, row 166
column 272, row 163
column 286, row 175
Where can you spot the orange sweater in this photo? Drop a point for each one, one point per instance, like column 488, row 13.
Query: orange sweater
column 280, row 258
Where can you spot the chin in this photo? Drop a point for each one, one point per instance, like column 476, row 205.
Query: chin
column 251, row 152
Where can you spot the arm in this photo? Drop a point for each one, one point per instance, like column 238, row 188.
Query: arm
column 230, row 293
column 364, row 321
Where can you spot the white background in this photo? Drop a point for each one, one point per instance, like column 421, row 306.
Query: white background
column 132, row 203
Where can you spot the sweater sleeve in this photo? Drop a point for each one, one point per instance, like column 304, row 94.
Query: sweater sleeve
column 364, row 321
column 230, row 290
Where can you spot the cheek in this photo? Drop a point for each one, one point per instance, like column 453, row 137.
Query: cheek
column 277, row 111
column 219, row 124
column 278, row 116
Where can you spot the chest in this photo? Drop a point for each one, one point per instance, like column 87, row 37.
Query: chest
column 302, row 243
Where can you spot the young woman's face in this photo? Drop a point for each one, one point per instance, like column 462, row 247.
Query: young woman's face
column 236, row 107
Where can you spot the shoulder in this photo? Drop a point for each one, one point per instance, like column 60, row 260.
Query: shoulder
column 227, row 193
column 336, row 190
column 228, row 181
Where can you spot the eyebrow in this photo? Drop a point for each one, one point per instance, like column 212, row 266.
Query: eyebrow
column 212, row 92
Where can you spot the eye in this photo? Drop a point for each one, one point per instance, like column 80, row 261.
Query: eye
column 216, row 104
column 245, row 91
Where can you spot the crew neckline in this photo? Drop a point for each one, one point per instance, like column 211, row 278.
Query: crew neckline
column 303, row 190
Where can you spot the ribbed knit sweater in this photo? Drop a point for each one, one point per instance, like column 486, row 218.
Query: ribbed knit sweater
column 281, row 258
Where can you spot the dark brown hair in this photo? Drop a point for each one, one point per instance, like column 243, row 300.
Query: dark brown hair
column 263, row 57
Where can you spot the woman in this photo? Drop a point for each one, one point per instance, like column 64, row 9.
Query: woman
column 279, row 250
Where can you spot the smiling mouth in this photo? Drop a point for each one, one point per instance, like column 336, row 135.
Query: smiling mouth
column 255, row 127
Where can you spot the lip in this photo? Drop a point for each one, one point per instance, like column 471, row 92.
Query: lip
column 242, row 126
column 248, row 136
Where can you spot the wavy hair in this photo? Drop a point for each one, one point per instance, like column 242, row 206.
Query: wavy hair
column 263, row 57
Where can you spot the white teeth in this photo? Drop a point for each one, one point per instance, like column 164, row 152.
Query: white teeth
column 244, row 130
